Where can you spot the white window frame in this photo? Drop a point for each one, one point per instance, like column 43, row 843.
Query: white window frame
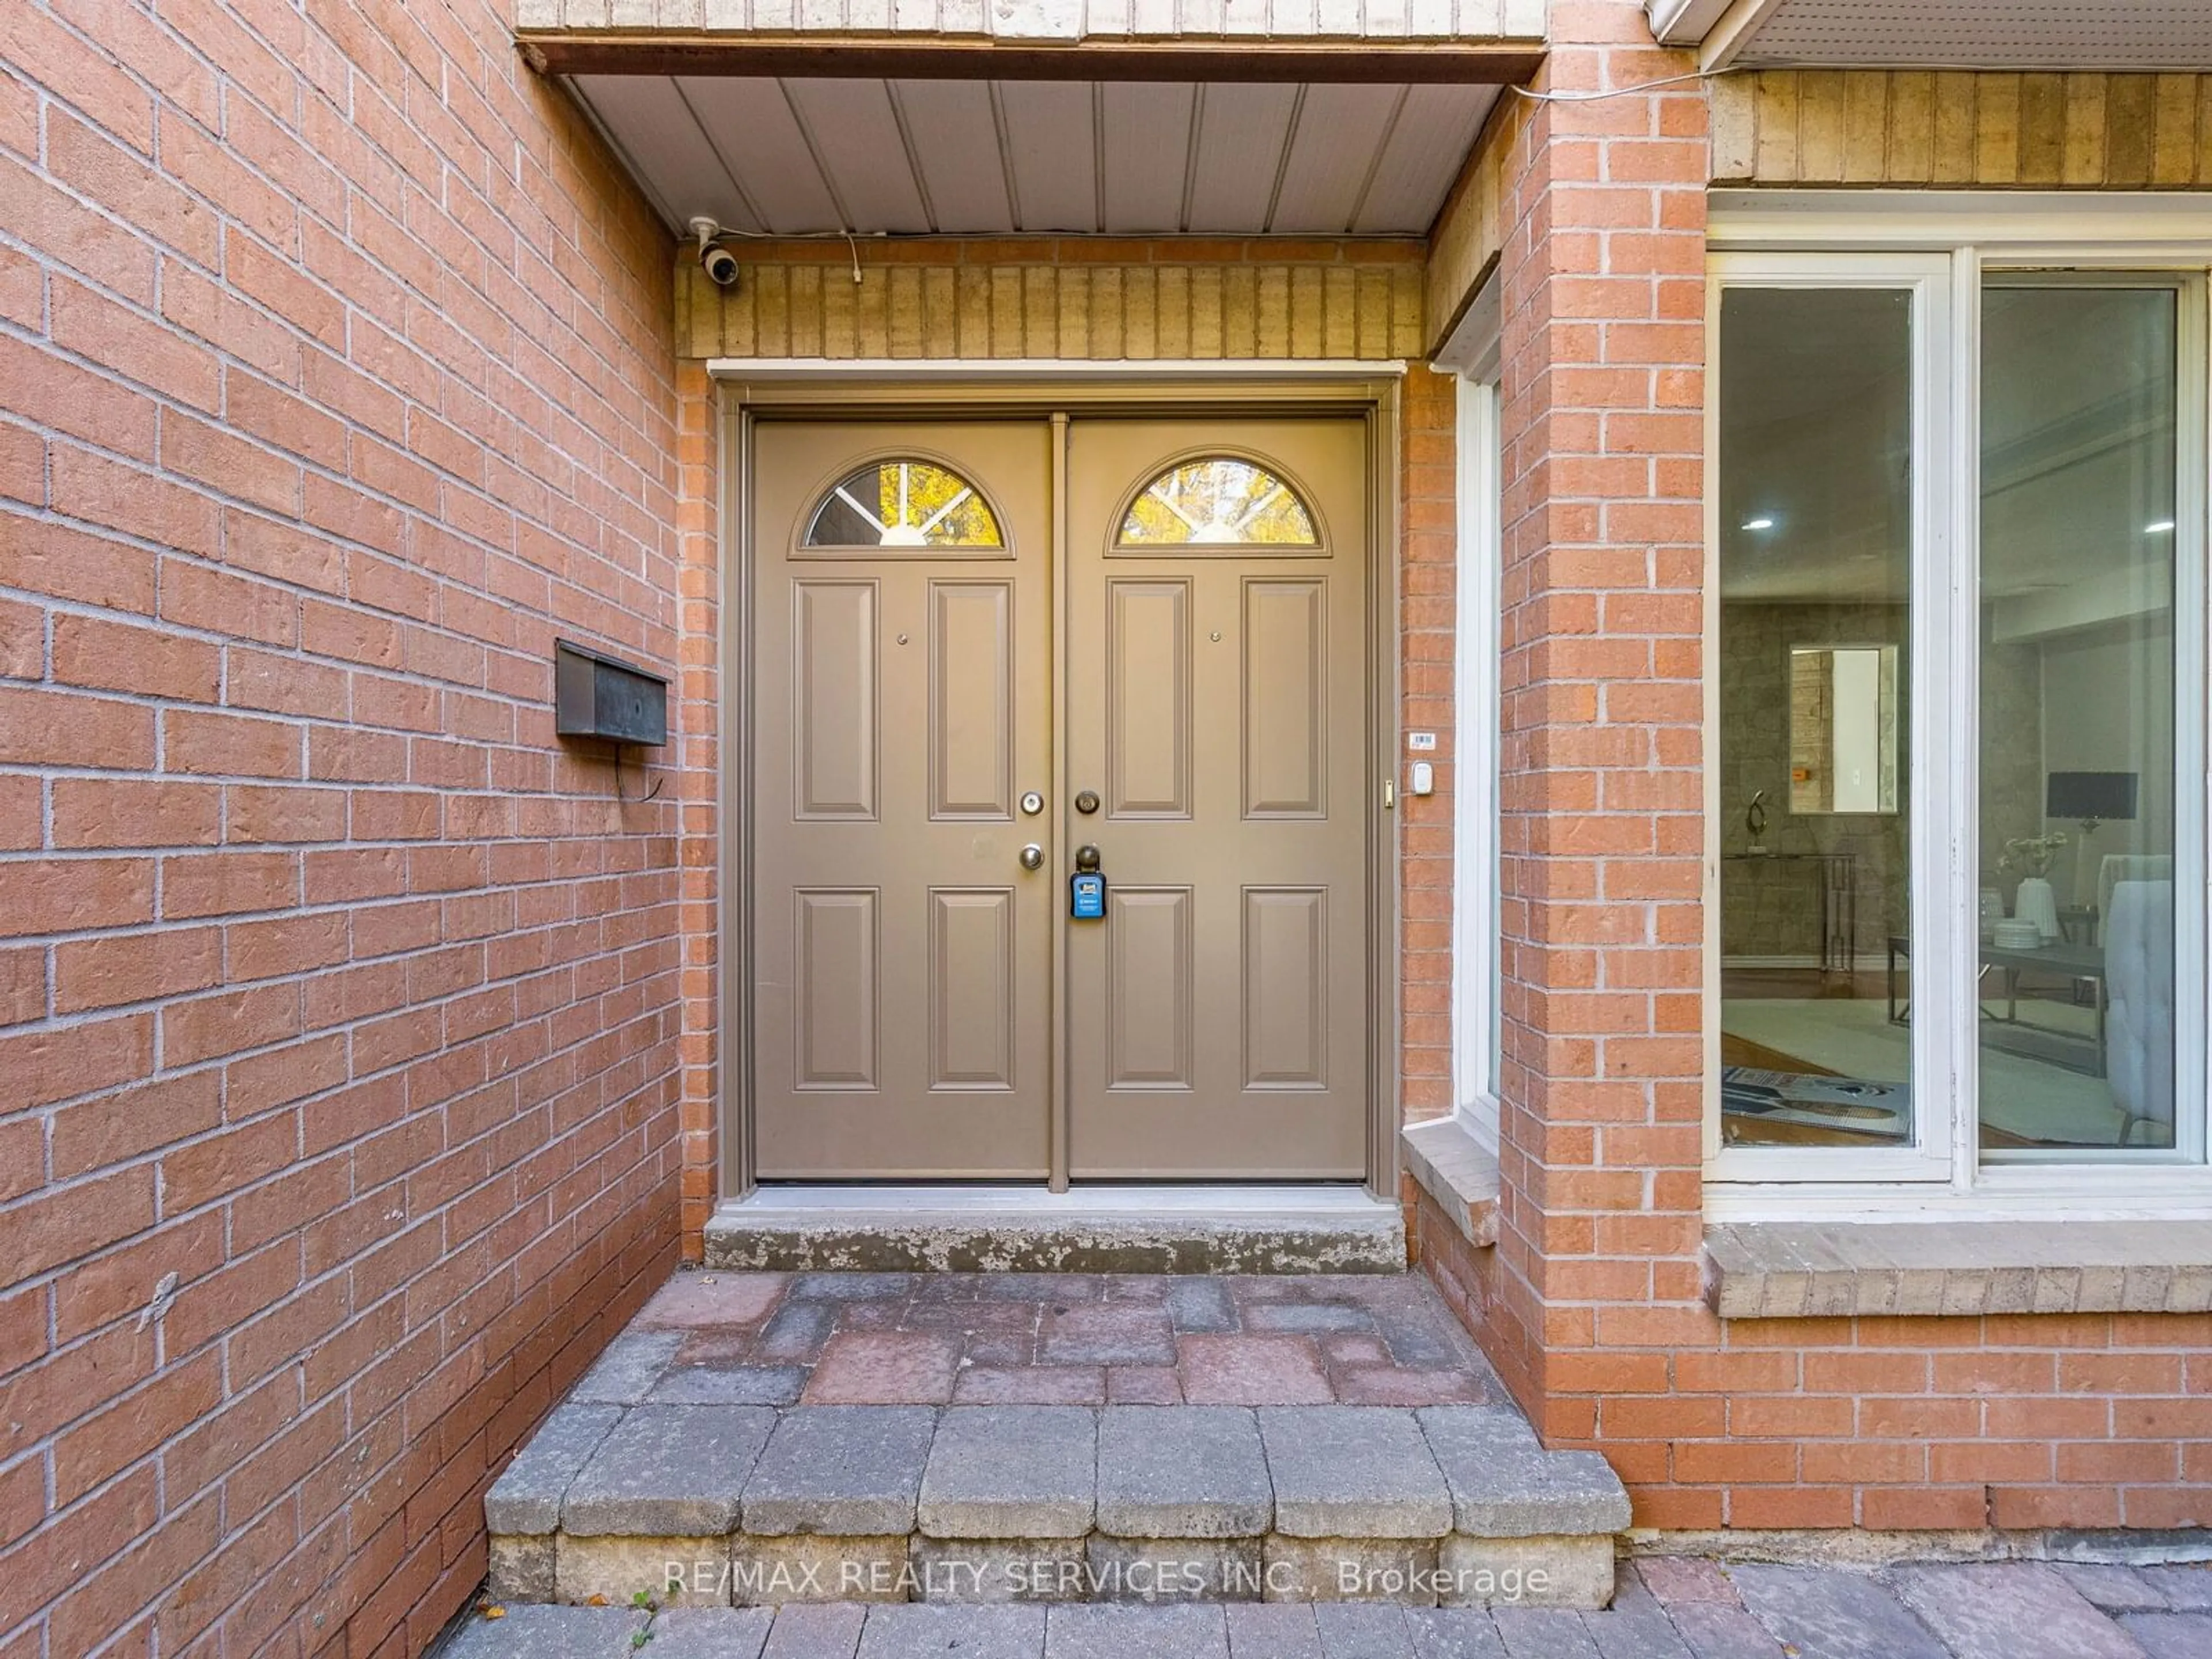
column 1818, row 239
column 1471, row 353
column 1476, row 1027
column 1927, row 278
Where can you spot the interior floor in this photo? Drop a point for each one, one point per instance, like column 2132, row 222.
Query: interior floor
column 2041, row 1083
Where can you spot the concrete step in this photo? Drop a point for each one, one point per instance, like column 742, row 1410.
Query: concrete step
column 738, row 1505
column 1067, row 1631
column 1121, row 1230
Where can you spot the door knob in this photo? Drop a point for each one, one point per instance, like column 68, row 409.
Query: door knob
column 1032, row 857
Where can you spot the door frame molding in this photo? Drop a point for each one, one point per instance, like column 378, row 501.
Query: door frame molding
column 749, row 389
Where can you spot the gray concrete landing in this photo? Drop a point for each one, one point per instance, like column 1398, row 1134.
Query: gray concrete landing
column 1665, row 1609
column 1128, row 1230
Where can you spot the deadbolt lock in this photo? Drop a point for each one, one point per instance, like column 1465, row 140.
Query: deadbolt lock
column 1032, row 857
column 1087, row 802
column 1033, row 803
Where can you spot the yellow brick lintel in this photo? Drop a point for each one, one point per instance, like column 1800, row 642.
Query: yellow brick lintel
column 1072, row 298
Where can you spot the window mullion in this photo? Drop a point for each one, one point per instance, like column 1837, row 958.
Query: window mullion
column 1960, row 888
column 2193, row 522
column 1945, row 468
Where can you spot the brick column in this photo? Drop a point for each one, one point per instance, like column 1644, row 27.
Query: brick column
column 698, row 733
column 1602, row 397
column 1428, row 550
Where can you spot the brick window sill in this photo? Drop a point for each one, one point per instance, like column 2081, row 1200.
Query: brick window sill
column 1795, row 1270
column 1458, row 1172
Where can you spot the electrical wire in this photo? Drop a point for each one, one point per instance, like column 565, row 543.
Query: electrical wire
column 851, row 238
column 1619, row 92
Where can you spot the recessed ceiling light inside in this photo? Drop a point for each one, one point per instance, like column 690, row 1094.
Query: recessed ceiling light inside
column 1758, row 523
column 2164, row 526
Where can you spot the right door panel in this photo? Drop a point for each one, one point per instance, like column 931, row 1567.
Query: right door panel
column 1216, row 696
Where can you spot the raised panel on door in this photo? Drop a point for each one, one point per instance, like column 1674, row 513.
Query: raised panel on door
column 1150, row 988
column 1148, row 712
column 1216, row 700
column 900, row 954
column 971, row 989
column 834, row 737
column 971, row 700
column 1285, row 979
column 1285, row 698
column 836, row 1033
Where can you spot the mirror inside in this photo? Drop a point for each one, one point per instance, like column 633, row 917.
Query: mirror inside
column 1843, row 728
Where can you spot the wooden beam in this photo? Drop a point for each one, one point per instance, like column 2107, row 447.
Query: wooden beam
column 1395, row 62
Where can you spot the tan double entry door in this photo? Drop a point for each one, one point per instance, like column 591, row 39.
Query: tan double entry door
column 982, row 647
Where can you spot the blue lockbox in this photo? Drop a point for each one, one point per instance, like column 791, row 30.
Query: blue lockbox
column 1087, row 896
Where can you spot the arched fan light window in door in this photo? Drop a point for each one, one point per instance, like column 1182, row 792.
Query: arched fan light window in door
column 903, row 502
column 1217, row 501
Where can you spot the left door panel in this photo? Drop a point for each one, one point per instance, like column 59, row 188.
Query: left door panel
column 902, row 708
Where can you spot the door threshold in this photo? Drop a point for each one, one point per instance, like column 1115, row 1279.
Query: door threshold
column 1242, row 1197
column 1276, row 1229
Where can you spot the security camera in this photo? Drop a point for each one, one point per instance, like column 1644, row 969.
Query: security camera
column 717, row 261
column 720, row 264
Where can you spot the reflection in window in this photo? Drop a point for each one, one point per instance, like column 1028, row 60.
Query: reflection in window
column 903, row 503
column 1217, row 501
column 2078, row 771
column 1843, row 728
column 1815, row 559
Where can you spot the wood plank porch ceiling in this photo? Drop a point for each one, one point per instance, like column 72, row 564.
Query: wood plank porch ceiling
column 797, row 136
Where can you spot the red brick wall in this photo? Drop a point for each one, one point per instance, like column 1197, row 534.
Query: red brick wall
column 1897, row 1425
column 1599, row 796
column 699, row 578
column 1427, row 589
column 341, row 1017
column 1591, row 1303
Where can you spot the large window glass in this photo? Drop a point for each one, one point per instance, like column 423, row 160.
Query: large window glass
column 1958, row 704
column 2075, row 960
column 1816, row 537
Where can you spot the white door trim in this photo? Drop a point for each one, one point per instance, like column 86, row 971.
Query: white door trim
column 746, row 389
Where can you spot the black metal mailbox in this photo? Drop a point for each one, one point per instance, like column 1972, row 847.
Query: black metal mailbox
column 596, row 695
